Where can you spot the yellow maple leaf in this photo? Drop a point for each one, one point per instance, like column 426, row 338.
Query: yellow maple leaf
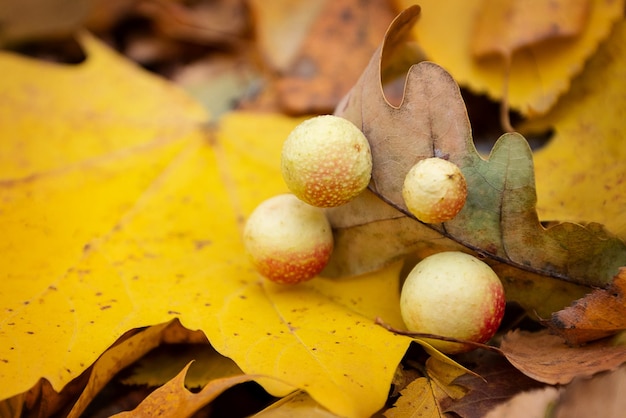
column 122, row 208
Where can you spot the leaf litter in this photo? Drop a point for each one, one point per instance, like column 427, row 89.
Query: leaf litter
column 505, row 172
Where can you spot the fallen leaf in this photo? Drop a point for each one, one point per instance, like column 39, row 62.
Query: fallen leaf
column 36, row 19
column 164, row 362
column 122, row 209
column 113, row 360
column 547, row 358
column 588, row 147
column 503, row 27
column 499, row 219
column 222, row 22
column 498, row 382
column 599, row 314
column 444, row 374
column 370, row 234
column 584, row 397
column 174, row 400
column 281, row 26
column 601, row 396
column 320, row 75
column 296, row 405
column 539, row 74
column 422, row 397
column 532, row 404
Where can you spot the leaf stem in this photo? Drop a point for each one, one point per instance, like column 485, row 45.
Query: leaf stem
column 419, row 335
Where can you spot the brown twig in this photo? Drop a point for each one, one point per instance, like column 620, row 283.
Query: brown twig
column 420, row 335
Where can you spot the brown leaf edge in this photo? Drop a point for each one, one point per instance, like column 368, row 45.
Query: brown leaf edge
column 547, row 358
column 173, row 399
column 599, row 314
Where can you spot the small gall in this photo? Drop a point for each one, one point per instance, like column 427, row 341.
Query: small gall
column 434, row 190
column 453, row 294
column 288, row 240
column 326, row 161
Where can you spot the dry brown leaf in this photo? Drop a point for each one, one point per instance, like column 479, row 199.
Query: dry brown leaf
column 213, row 22
column 503, row 27
column 498, row 382
column 281, row 26
column 499, row 219
column 531, row 404
column 321, row 73
column 599, row 314
column 370, row 234
column 602, row 396
column 26, row 20
column 174, row 400
column 547, row 358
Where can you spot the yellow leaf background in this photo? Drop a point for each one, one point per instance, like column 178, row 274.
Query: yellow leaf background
column 539, row 73
column 122, row 207
column 581, row 175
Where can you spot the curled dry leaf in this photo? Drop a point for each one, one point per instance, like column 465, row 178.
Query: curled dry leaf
column 599, row 314
column 174, row 400
column 547, row 358
column 499, row 219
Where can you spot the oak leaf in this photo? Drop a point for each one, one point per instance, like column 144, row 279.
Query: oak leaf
column 499, row 219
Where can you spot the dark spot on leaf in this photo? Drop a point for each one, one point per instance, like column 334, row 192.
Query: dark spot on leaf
column 30, row 332
column 346, row 15
column 102, row 308
column 170, row 312
column 242, row 297
column 98, row 293
column 26, row 302
column 200, row 244
column 51, row 287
